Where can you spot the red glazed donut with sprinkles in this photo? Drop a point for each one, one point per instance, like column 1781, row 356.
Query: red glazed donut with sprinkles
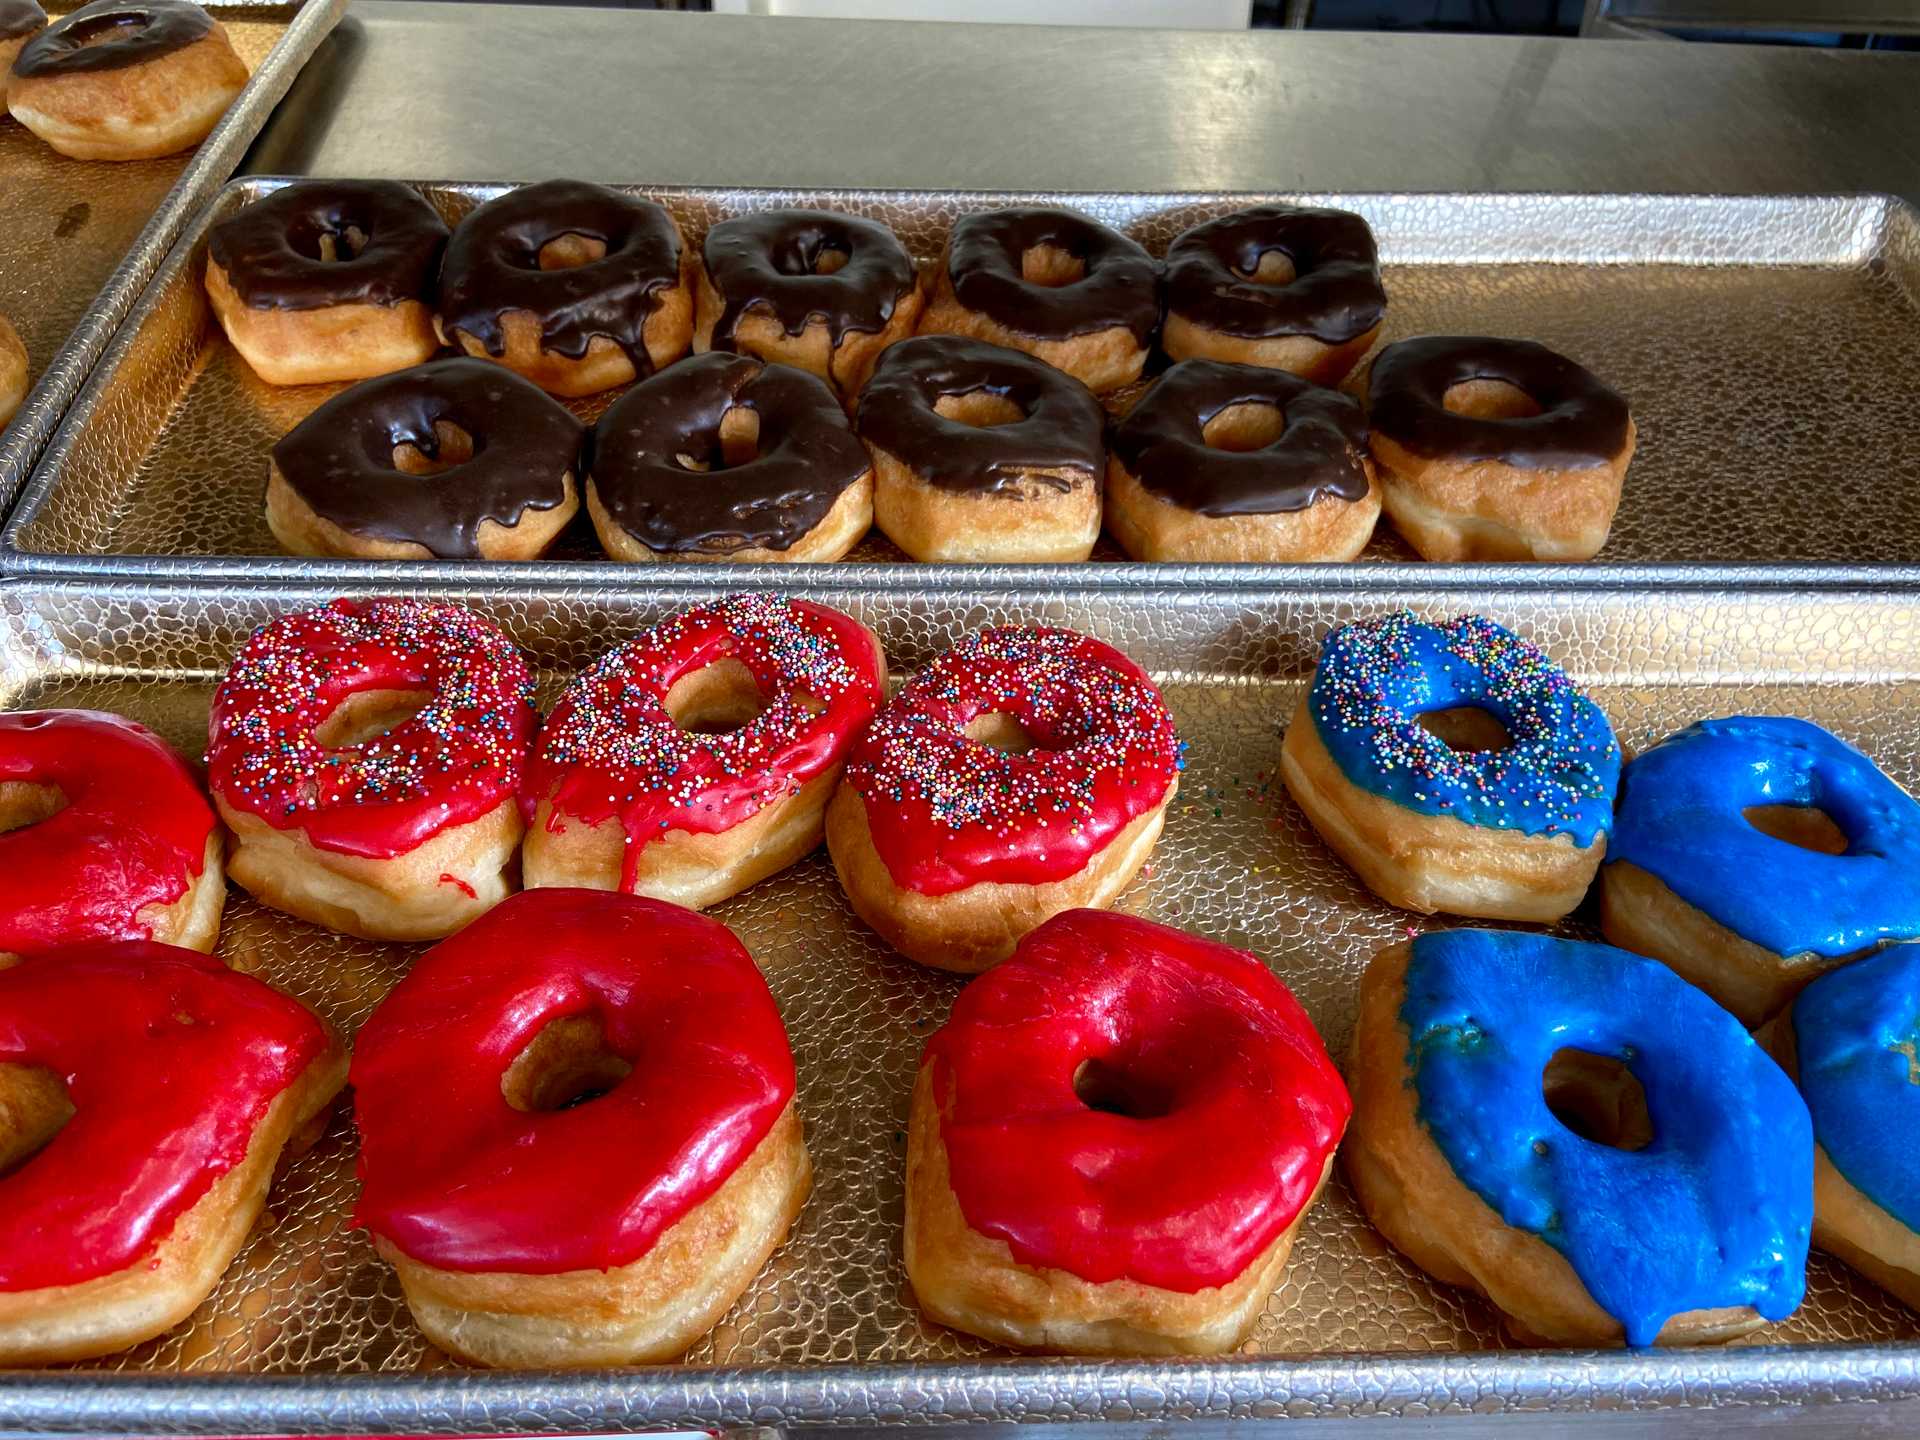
column 1025, row 772
column 366, row 755
column 697, row 759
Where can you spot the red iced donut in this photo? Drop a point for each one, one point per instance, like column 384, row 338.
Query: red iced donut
column 698, row 757
column 365, row 755
column 1024, row 772
column 578, row 1140
column 107, row 836
column 1113, row 1141
column 148, row 1091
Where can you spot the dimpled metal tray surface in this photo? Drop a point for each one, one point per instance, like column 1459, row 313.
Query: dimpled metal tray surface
column 308, row 1331
column 1769, row 347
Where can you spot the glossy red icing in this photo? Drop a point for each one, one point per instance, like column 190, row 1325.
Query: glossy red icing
column 170, row 1060
column 1239, row 1104
column 459, row 1179
column 947, row 812
column 133, row 832
column 610, row 750
column 455, row 761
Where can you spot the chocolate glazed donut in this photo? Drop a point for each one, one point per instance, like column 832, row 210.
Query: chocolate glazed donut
column 135, row 32
column 724, row 457
column 575, row 286
column 454, row 460
column 20, row 21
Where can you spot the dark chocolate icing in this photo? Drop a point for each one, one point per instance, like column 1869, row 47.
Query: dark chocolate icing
column 493, row 266
column 1320, row 453
column 1582, row 423
column 270, row 251
column 1120, row 287
column 1334, row 297
column 807, row 456
column 340, row 458
column 20, row 17
column 137, row 31
column 1061, row 430
column 765, row 261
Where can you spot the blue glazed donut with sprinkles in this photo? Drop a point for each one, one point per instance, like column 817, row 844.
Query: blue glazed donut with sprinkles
column 1455, row 767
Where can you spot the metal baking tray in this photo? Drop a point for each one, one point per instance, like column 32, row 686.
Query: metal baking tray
column 78, row 238
column 1770, row 347
column 308, row 1332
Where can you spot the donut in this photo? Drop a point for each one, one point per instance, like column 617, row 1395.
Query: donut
column 1222, row 462
column 1287, row 287
column 13, row 372
column 1496, row 449
column 453, row 460
column 149, row 1092
column 328, row 280
column 1113, row 1141
column 817, row 290
column 20, row 21
column 104, row 835
column 1753, row 853
column 790, row 479
column 697, row 758
column 578, row 1139
column 1078, row 294
column 365, row 754
column 575, row 286
column 126, row 79
column 1580, row 1136
column 1454, row 767
column 1026, row 771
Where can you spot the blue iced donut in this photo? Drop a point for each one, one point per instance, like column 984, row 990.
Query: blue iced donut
column 1747, row 916
column 1391, row 796
column 1699, row 1234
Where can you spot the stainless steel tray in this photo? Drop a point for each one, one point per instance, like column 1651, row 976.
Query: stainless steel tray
column 308, row 1332
column 78, row 239
column 1770, row 347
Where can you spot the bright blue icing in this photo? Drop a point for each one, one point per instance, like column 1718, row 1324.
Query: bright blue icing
column 1680, row 820
column 1856, row 1032
column 1715, row 1210
column 1377, row 677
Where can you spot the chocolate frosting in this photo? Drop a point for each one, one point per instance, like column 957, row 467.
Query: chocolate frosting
column 340, row 458
column 1320, row 453
column 493, row 266
column 270, row 251
column 1061, row 430
column 1121, row 286
column 140, row 30
column 20, row 17
column 1582, row 423
column 807, row 456
column 765, row 261
column 1334, row 297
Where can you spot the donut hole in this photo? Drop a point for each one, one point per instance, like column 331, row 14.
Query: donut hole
column 1116, row 1089
column 452, row 447
column 1050, row 267
column 1467, row 729
column 1274, row 267
column 1000, row 732
column 369, row 715
column 1250, row 425
column 570, row 252
column 567, row 1064
column 735, row 443
column 1598, row 1098
column 23, row 803
column 34, row 1107
column 830, row 261
column 106, row 30
column 1806, row 826
column 1490, row 400
column 715, row 699
column 982, row 409
column 338, row 245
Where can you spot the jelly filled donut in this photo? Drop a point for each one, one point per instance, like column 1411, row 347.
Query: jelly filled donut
column 1752, row 853
column 1025, row 772
column 328, row 280
column 1289, row 287
column 697, row 758
column 1114, row 1139
column 1496, row 449
column 126, row 79
column 365, row 755
column 149, row 1092
column 107, row 836
column 453, row 460
column 820, row 291
column 982, row 454
column 723, row 457
column 575, row 286
column 13, row 372
column 20, row 21
column 1454, row 767
column 578, row 1140
column 1223, row 462
column 1580, row 1136
column 1078, row 294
